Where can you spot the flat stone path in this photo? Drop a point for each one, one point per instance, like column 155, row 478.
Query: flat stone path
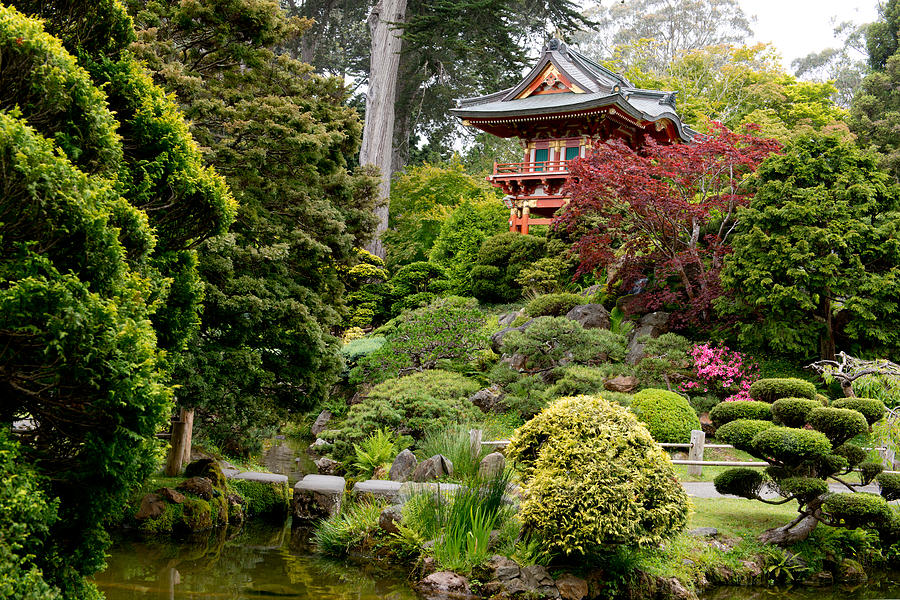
column 706, row 489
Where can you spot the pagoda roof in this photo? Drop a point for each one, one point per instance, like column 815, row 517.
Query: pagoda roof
column 566, row 81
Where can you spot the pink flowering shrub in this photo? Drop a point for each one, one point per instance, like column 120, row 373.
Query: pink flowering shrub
column 721, row 371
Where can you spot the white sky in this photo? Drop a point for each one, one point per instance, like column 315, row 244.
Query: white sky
column 798, row 27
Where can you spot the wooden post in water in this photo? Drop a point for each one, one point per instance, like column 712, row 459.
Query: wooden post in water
column 698, row 439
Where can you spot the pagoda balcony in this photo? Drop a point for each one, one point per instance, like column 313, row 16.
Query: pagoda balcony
column 529, row 178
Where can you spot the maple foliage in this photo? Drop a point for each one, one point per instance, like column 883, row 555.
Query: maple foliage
column 664, row 212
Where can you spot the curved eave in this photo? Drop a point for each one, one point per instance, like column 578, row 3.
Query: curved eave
column 527, row 114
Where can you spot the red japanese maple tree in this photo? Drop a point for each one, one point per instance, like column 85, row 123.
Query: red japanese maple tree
column 664, row 213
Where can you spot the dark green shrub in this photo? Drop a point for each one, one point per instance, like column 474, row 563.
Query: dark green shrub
column 526, row 396
column 665, row 359
column 770, row 390
column 889, row 483
column 589, row 472
column 553, row 305
column 355, row 350
column 726, row 412
column 578, row 380
column 500, row 260
column 838, row 424
column 868, row 470
column 409, row 405
column 854, row 454
column 704, row 404
column 502, row 374
column 805, row 489
column 268, row 500
column 871, row 408
column 740, row 433
column 858, row 509
column 550, row 340
column 830, row 464
column 792, row 412
column 667, row 415
column 742, row 481
column 789, row 446
column 447, row 329
column 416, row 284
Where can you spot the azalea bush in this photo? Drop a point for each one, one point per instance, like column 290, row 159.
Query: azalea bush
column 720, row 370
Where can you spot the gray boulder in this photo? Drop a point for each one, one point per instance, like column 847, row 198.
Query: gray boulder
column 403, row 466
column 571, row 587
column 651, row 325
column 321, row 423
column 390, row 517
column 152, row 506
column 487, row 399
column 506, row 319
column 590, row 316
column 491, row 465
column 444, row 583
column 433, row 468
column 622, row 383
column 327, row 466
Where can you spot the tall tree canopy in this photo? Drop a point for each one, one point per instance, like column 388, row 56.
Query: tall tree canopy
column 816, row 253
column 284, row 139
column 105, row 195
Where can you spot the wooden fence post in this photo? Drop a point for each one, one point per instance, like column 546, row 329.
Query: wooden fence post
column 176, row 452
column 475, row 443
column 698, row 439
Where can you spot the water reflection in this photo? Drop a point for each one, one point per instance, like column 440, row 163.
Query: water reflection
column 885, row 587
column 258, row 562
column 288, row 457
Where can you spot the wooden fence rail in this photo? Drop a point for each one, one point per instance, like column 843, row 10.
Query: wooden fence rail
column 695, row 448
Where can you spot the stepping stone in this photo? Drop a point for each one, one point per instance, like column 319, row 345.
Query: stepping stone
column 378, row 488
column 260, row 477
column 318, row 497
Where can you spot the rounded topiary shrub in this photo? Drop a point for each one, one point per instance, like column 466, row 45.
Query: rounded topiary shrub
column 838, row 424
column 593, row 477
column 553, row 305
column 725, row 412
column 805, row 489
column 871, row 408
column 667, row 415
column 740, row 433
column 741, row 481
column 770, row 390
column 854, row 454
column 790, row 447
column 860, row 509
column 792, row 412
column 889, row 484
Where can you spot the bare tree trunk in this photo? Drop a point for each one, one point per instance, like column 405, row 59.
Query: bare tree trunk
column 378, row 133
column 827, row 347
column 795, row 531
column 187, row 415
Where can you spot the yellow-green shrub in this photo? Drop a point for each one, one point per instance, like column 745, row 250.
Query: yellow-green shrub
column 593, row 477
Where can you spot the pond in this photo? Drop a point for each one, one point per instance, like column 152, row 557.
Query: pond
column 260, row 561
column 885, row 586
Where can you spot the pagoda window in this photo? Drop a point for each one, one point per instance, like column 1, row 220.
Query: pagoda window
column 541, row 155
column 573, row 152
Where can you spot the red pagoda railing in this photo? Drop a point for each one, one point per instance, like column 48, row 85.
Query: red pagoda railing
column 524, row 168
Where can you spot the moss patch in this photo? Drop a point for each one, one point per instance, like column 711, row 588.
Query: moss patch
column 271, row 500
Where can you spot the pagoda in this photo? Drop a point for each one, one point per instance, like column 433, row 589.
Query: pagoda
column 565, row 104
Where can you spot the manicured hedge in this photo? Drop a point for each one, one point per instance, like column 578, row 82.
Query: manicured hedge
column 725, row 412
column 871, row 408
column 789, row 446
column 667, row 415
column 740, row 433
column 741, row 481
column 838, row 424
column 770, row 390
column 858, row 509
column 792, row 412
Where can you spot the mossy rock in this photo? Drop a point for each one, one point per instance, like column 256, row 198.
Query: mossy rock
column 198, row 514
column 270, row 500
column 209, row 468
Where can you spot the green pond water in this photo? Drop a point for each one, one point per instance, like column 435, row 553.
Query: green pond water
column 258, row 562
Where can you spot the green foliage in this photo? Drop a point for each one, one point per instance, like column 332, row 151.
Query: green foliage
column 860, row 509
column 417, row 284
column 456, row 247
column 665, row 358
column 410, row 405
column 377, row 450
column 838, row 424
column 547, row 275
column 790, row 447
column 448, row 329
column 594, row 477
column 26, row 515
column 742, row 481
column 889, row 484
column 667, row 415
column 501, row 259
column 813, row 253
column 804, row 489
column 355, row 350
column 263, row 499
column 854, row 454
column 423, row 197
column 726, row 412
column 339, row 534
column 549, row 340
column 369, row 293
column 454, row 443
column 577, row 380
column 553, row 305
column 770, row 390
column 872, row 409
column 793, row 412
column 742, row 432
column 275, row 285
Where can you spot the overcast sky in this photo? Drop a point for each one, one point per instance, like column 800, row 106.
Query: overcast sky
column 798, row 27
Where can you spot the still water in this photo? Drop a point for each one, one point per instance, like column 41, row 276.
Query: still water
column 258, row 562
column 883, row 587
